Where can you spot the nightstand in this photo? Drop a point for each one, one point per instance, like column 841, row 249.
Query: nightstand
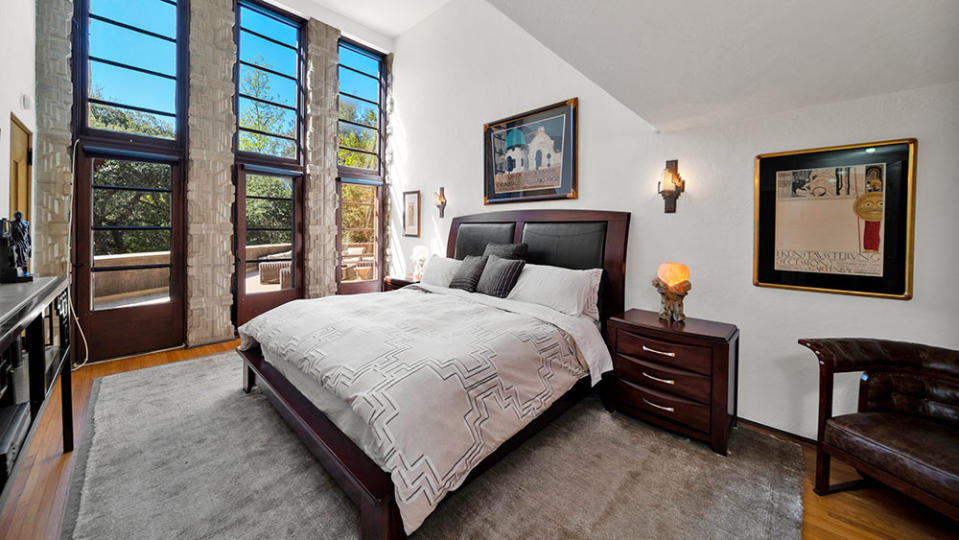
column 679, row 376
column 391, row 283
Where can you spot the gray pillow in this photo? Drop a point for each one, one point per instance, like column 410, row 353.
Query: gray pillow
column 499, row 276
column 468, row 274
column 507, row 251
column 439, row 271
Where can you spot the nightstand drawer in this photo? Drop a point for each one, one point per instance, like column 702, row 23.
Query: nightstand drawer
column 657, row 376
column 674, row 408
column 691, row 357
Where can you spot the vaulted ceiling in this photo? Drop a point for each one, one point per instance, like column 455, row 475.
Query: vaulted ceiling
column 689, row 62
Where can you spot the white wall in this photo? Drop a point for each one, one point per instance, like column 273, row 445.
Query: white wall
column 349, row 27
column 17, row 68
column 468, row 64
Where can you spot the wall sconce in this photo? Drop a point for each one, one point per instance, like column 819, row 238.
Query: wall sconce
column 672, row 282
column 671, row 185
column 439, row 199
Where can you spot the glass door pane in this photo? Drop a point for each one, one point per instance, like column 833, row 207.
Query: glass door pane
column 131, row 231
column 359, row 219
column 270, row 260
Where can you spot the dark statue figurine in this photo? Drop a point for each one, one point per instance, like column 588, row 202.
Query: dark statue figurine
column 15, row 249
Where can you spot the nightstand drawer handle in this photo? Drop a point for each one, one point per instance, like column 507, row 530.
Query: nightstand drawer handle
column 657, row 379
column 647, row 349
column 651, row 404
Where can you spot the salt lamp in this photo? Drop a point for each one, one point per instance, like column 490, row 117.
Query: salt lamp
column 672, row 282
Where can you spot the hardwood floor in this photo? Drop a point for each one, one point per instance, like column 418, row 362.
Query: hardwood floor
column 39, row 497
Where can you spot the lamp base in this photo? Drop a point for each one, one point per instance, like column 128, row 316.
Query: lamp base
column 672, row 299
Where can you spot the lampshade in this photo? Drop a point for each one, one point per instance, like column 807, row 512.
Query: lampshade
column 668, row 182
column 673, row 273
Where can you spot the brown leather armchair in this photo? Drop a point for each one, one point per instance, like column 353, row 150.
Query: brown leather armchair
column 906, row 433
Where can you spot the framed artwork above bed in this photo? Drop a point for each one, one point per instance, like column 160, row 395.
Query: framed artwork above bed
column 531, row 156
column 837, row 219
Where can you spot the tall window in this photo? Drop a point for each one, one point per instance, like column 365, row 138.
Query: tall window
column 359, row 158
column 130, row 73
column 268, row 83
column 269, row 197
column 132, row 82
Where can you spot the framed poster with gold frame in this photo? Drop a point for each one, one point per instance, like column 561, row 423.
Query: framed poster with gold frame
column 531, row 156
column 837, row 219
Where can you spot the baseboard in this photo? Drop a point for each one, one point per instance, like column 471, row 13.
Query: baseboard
column 788, row 435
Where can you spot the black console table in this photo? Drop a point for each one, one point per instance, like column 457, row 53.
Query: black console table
column 34, row 350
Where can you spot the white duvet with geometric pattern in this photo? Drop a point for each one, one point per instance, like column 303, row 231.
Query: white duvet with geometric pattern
column 442, row 377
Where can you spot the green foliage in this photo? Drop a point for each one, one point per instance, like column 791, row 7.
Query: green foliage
column 269, row 213
column 112, row 207
column 355, row 137
column 264, row 117
column 358, row 214
column 127, row 120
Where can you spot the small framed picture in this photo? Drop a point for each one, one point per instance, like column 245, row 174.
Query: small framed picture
column 411, row 213
column 837, row 219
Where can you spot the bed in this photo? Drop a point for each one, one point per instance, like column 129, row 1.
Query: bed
column 283, row 353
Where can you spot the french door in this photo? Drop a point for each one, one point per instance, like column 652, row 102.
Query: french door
column 268, row 238
column 128, row 252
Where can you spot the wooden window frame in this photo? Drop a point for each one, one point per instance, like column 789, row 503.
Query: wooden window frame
column 130, row 141
column 247, row 305
column 366, row 177
column 244, row 156
column 354, row 172
column 91, row 143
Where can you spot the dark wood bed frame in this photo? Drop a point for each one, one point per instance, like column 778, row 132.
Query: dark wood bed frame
column 369, row 486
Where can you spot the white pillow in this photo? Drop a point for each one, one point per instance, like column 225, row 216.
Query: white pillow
column 573, row 292
column 439, row 271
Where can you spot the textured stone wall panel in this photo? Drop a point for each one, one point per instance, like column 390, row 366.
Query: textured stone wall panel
column 54, row 99
column 210, row 192
column 322, row 256
column 388, row 145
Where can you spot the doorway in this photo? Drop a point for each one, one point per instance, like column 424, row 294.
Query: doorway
column 128, row 253
column 21, row 163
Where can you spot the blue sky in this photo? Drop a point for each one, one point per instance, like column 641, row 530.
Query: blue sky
column 129, row 87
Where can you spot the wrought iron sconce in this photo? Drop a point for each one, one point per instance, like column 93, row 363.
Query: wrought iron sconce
column 671, row 185
column 439, row 199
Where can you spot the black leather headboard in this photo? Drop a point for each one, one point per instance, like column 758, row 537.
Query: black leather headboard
column 473, row 237
column 577, row 239
column 570, row 245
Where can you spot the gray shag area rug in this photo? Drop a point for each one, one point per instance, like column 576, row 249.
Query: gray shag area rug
column 179, row 451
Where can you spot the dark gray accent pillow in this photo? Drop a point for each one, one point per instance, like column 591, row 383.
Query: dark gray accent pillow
column 468, row 274
column 499, row 276
column 507, row 251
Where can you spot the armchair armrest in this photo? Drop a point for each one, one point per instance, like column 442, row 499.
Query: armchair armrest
column 859, row 354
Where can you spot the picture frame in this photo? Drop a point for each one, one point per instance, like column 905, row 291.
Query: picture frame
column 411, row 213
column 838, row 219
column 531, row 156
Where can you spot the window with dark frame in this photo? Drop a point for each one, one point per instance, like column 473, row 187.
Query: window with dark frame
column 269, row 87
column 132, row 68
column 130, row 71
column 359, row 160
column 360, row 111
column 269, row 156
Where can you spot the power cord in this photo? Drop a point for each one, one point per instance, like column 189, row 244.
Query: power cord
column 73, row 309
